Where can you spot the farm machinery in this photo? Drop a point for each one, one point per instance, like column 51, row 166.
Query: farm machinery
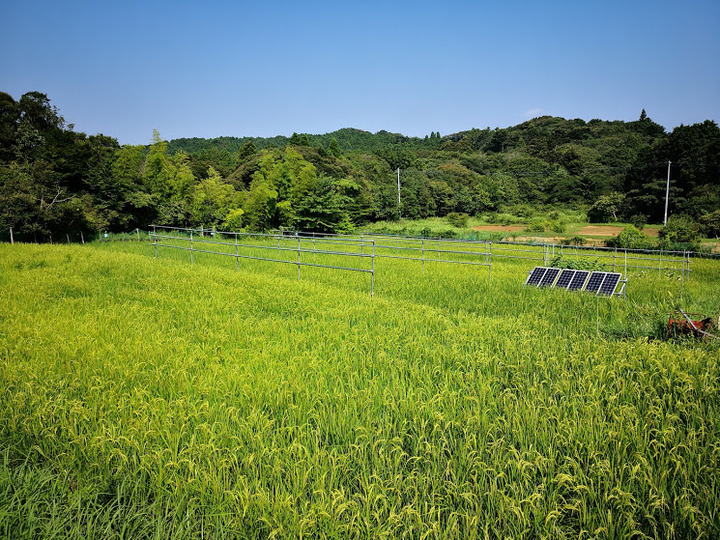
column 692, row 325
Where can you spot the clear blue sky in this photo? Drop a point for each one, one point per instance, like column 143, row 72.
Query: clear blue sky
column 213, row 68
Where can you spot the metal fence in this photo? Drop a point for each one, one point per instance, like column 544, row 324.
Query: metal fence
column 618, row 259
column 296, row 247
column 434, row 250
column 231, row 243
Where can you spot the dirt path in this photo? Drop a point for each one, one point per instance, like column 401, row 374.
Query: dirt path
column 609, row 230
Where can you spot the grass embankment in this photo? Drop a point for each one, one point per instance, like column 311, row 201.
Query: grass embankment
column 151, row 398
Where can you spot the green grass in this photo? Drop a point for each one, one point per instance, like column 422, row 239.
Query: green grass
column 152, row 398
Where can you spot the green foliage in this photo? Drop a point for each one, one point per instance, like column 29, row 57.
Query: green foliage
column 710, row 224
column 606, row 208
column 630, row 238
column 574, row 241
column 536, row 226
column 234, row 220
column 459, row 220
column 260, row 206
column 561, row 261
column 638, row 221
column 55, row 180
column 680, row 229
column 212, row 200
column 320, row 207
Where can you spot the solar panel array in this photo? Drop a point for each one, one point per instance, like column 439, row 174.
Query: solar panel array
column 601, row 283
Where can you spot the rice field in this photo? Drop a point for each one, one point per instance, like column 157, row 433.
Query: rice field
column 155, row 398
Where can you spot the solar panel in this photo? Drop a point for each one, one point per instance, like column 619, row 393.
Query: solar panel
column 609, row 283
column 578, row 280
column 536, row 275
column 595, row 282
column 596, row 279
column 565, row 278
column 549, row 277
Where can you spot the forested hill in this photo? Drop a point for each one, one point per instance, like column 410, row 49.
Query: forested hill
column 347, row 139
column 54, row 180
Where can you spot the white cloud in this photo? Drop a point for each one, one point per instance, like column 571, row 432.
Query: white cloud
column 532, row 113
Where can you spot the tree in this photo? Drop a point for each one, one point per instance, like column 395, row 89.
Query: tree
column 259, row 206
column 9, row 116
column 334, row 148
column 246, row 151
column 212, row 200
column 299, row 140
column 710, row 224
column 606, row 207
column 321, row 207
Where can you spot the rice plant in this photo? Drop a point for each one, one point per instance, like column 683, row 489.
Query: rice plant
column 155, row 398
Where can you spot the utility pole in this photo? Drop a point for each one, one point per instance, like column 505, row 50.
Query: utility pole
column 399, row 210
column 667, row 193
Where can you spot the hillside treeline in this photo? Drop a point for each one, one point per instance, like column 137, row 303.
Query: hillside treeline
column 54, row 180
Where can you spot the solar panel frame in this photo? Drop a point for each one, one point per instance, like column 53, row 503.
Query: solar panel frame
column 609, row 284
column 536, row 275
column 594, row 282
column 565, row 278
column 549, row 277
column 578, row 280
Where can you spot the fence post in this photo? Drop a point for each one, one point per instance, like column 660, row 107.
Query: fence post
column 138, row 233
column 682, row 276
column 192, row 258
column 423, row 253
column 82, row 237
column 155, row 240
column 372, row 271
column 298, row 260
column 614, row 257
column 625, row 250
column 12, row 240
column 488, row 258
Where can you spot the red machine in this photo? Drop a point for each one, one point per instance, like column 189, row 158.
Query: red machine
column 686, row 324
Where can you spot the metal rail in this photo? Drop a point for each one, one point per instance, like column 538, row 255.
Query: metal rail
column 155, row 236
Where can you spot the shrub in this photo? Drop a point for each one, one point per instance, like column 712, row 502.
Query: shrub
column 638, row 221
column 523, row 211
column 630, row 238
column 537, row 226
column 557, row 226
column 680, row 229
column 577, row 264
column 457, row 219
column 574, row 241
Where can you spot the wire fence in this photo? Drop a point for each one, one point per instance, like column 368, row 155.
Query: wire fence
column 423, row 250
column 618, row 259
column 296, row 248
column 263, row 247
